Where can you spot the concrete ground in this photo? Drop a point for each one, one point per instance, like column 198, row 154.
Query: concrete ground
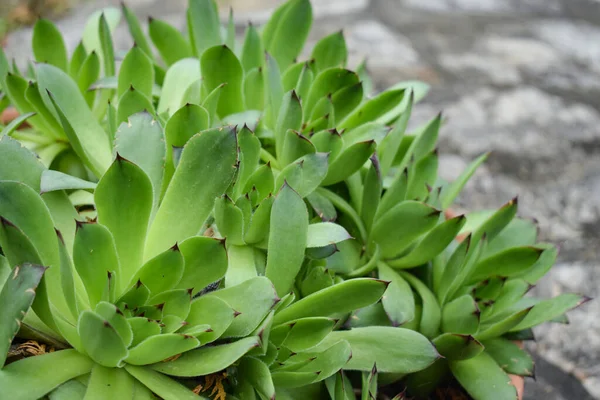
column 518, row 77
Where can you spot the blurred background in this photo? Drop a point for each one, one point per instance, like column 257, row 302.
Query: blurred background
column 520, row 78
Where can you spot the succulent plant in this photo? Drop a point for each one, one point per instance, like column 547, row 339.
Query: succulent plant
column 327, row 265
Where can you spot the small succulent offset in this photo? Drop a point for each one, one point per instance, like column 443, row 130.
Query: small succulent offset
column 226, row 215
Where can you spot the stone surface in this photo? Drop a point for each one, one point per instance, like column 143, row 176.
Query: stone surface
column 520, row 78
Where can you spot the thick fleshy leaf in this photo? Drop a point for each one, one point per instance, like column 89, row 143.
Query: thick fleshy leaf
column 16, row 296
column 33, row 377
column 326, row 233
column 135, row 29
column 209, row 310
column 48, row 44
column 398, row 300
column 548, row 309
column 510, row 357
column 55, row 180
column 100, row 340
column 372, row 109
column 173, row 302
column 338, row 299
column 328, row 81
column 115, row 317
column 132, row 102
column 25, row 209
column 229, row 220
column 254, row 89
column 329, row 360
column 289, row 118
column 142, row 328
column 457, row 347
column 423, row 143
column 160, row 347
column 141, row 141
column 87, row 76
column 203, row 25
column 170, row 43
column 137, row 71
column 72, row 389
column 330, row 52
column 285, row 33
column 252, row 51
column 259, row 225
column 304, row 175
column 180, row 76
column 322, row 207
column 436, row 241
column 205, row 262
column 241, row 266
column 249, row 156
column 293, row 379
column 396, row 350
column 126, row 214
column 422, row 176
column 83, row 130
column 506, row 264
column 461, row 316
column 500, row 326
column 257, row 374
column 106, row 45
column 205, row 171
column 287, row 239
column 94, row 255
column 349, row 161
column 430, row 308
column 162, row 272
column 483, row 379
column 108, row 382
column 302, row 334
column 263, row 297
column 273, row 90
column 402, row 225
column 208, row 360
column 219, row 65
column 163, row 386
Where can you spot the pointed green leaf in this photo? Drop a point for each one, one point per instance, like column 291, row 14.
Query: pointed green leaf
column 436, row 241
column 161, row 385
column 506, row 264
column 137, row 71
column 55, row 180
column 162, row 272
column 208, row 161
column 169, row 42
column 263, row 296
column 135, row 29
column 94, row 255
column 180, row 76
column 212, row 311
column 204, row 25
column 402, row 225
column 461, row 316
column 330, row 52
column 16, row 296
column 338, row 299
column 304, row 175
column 252, row 51
column 483, row 379
column 205, row 262
column 125, row 215
column 349, row 161
column 325, row 233
column 160, row 347
column 396, row 350
column 258, row 375
column 549, row 309
column 84, row 132
column 100, row 340
column 34, row 377
column 374, row 108
column 113, row 382
column 208, row 360
column 398, row 300
column 219, row 65
column 457, row 347
column 285, row 33
column 287, row 239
